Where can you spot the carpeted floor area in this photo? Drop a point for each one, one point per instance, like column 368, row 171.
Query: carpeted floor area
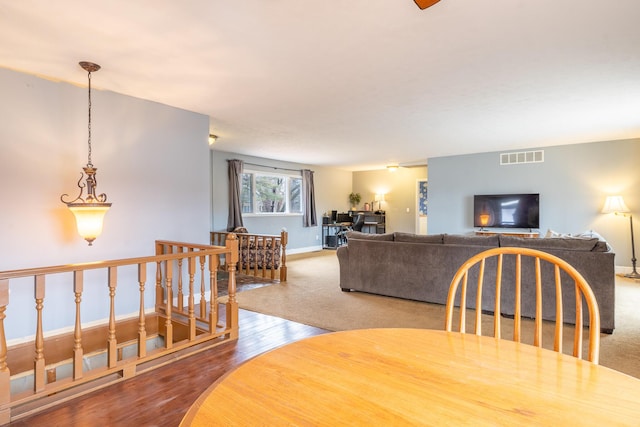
column 312, row 296
column 243, row 283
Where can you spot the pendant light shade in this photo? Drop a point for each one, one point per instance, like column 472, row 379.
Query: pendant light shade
column 90, row 210
column 89, row 218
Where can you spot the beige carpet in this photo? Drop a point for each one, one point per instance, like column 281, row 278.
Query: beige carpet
column 312, row 296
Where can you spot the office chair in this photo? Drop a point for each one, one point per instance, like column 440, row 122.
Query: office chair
column 358, row 223
column 355, row 226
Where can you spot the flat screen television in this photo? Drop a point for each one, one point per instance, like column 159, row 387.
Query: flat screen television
column 506, row 211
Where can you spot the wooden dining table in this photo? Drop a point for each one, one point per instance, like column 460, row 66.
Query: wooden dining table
column 390, row 377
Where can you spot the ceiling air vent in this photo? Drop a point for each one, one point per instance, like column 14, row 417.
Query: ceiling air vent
column 522, row 157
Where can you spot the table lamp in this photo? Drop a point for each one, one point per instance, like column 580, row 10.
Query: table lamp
column 379, row 198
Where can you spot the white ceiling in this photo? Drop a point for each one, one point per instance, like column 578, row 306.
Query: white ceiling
column 356, row 84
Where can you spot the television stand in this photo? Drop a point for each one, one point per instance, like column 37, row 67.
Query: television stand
column 524, row 234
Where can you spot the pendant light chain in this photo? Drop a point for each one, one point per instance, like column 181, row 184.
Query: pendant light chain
column 89, row 126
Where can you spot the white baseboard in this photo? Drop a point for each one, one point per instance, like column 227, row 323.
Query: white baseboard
column 304, row 250
column 619, row 269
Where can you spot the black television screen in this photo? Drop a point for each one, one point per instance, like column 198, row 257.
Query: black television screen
column 506, row 211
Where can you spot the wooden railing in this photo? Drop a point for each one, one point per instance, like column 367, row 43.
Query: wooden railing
column 259, row 255
column 190, row 322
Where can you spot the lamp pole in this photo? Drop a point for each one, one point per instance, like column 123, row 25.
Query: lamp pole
column 615, row 204
column 634, row 274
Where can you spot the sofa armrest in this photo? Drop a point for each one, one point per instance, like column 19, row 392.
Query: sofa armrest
column 343, row 260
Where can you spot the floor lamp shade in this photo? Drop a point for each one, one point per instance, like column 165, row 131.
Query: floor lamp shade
column 615, row 204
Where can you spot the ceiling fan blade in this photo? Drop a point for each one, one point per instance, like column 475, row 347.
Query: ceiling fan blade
column 423, row 4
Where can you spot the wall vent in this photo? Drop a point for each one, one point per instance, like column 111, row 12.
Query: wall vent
column 520, row 157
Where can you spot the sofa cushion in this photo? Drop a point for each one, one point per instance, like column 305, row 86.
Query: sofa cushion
column 601, row 246
column 564, row 243
column 417, row 238
column 552, row 233
column 456, row 239
column 388, row 237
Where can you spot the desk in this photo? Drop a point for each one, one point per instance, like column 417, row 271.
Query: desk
column 413, row 377
column 374, row 223
column 330, row 234
column 373, row 227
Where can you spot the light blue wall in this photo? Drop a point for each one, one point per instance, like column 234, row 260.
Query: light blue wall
column 573, row 182
column 153, row 163
column 332, row 186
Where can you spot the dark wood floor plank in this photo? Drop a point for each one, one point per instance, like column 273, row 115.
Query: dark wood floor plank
column 162, row 397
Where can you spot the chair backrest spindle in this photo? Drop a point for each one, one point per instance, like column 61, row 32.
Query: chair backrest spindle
column 535, row 261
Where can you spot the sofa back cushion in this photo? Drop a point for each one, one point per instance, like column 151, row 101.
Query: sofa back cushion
column 456, row 239
column 561, row 243
column 601, row 246
column 388, row 237
column 418, row 238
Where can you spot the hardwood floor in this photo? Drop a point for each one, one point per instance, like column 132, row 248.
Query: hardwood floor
column 162, row 397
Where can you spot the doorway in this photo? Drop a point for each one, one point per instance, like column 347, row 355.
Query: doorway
column 421, row 206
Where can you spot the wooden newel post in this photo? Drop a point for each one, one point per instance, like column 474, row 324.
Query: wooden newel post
column 232, row 305
column 284, row 237
column 232, row 245
column 5, row 375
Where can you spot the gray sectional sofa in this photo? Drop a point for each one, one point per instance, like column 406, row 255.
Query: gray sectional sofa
column 420, row 267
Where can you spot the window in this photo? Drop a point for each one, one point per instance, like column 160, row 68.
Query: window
column 268, row 193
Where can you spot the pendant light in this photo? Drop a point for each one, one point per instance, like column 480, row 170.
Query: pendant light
column 90, row 210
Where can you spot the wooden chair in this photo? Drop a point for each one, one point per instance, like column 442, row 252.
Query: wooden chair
column 582, row 289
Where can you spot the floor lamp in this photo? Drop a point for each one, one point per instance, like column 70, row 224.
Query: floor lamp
column 615, row 204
